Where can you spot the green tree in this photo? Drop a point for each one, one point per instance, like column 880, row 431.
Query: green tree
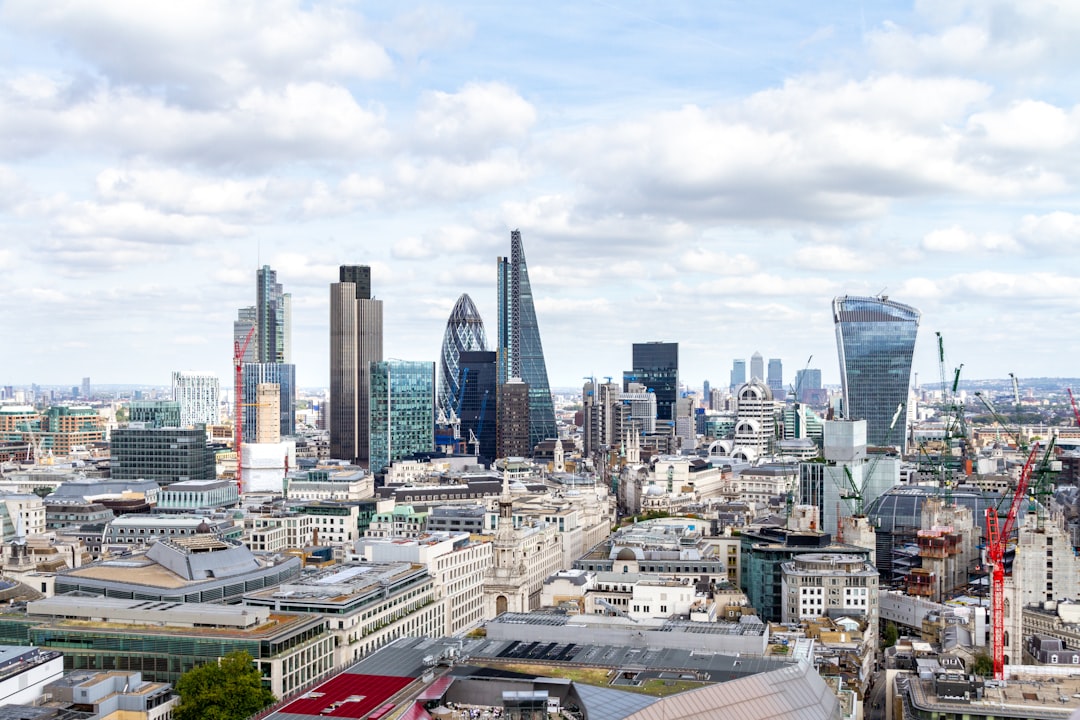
column 983, row 665
column 891, row 634
column 227, row 690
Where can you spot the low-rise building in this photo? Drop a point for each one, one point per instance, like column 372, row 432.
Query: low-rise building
column 193, row 496
column 114, row 694
column 819, row 584
column 25, row 671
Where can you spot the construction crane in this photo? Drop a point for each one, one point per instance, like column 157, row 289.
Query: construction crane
column 238, row 406
column 997, row 541
column 856, row 491
column 1072, row 401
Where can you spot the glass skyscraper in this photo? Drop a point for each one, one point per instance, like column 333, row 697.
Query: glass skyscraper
column 656, row 366
column 284, row 376
column 273, row 317
column 875, row 338
column 479, row 401
column 738, row 374
column 402, row 411
column 520, row 353
column 464, row 333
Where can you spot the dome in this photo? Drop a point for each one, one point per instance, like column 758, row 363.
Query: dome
column 754, row 390
column 626, row 554
column 654, row 490
column 204, row 528
column 900, row 509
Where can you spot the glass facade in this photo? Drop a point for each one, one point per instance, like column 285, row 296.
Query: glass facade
column 402, row 411
column 255, row 374
column 156, row 413
column 273, row 310
column 875, row 338
column 164, row 455
column 656, row 366
column 521, row 354
column 464, row 333
column 478, row 401
column 738, row 373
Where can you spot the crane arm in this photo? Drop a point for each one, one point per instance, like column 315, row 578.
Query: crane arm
column 1076, row 412
column 1018, row 497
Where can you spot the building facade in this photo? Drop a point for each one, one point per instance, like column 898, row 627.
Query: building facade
column 875, row 338
column 402, row 411
column 656, row 366
column 521, row 354
column 284, row 376
column 464, row 333
column 512, row 431
column 356, row 335
column 738, row 374
column 273, row 318
column 164, row 455
column 199, row 394
column 477, row 399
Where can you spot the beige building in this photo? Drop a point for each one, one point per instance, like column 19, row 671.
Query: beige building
column 813, row 584
column 268, row 413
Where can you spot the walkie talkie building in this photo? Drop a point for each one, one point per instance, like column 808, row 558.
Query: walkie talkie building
column 875, row 338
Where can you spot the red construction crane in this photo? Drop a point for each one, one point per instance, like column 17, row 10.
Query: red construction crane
column 995, row 556
column 238, row 406
column 1072, row 401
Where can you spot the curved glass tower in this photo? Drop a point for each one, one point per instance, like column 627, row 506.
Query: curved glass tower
column 875, row 338
column 464, row 333
column 520, row 353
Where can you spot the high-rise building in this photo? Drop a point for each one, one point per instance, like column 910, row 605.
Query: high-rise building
column 757, row 367
column 246, row 319
column 155, row 413
column 198, row 394
column 775, row 380
column 402, row 411
column 512, row 430
column 464, row 333
column 706, row 393
column 273, row 317
column 356, row 323
column 86, row 387
column 164, row 455
column 808, row 379
column 284, row 376
column 602, row 420
column 875, row 338
column 267, row 413
column 656, row 366
column 521, row 354
column 479, row 401
column 738, row 374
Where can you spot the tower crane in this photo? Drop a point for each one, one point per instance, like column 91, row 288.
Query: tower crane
column 1072, row 401
column 238, row 406
column 997, row 540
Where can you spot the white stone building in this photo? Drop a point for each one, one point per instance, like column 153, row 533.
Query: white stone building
column 199, row 396
column 815, row 583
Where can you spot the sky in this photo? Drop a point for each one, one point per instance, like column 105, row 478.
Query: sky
column 707, row 173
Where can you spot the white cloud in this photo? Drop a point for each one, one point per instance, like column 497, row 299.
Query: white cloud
column 1027, row 126
column 957, row 240
column 834, row 257
column 1056, row 232
column 469, row 123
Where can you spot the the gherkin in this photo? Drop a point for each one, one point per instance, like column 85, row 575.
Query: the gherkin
column 464, row 333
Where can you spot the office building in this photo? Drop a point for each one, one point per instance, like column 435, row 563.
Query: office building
column 155, row 413
column 775, row 379
column 464, row 333
column 164, row 455
column 602, row 415
column 246, row 321
column 521, row 354
column 875, row 338
column 356, row 334
column 512, row 430
column 757, row 367
column 273, row 318
column 280, row 374
column 198, row 394
column 738, row 374
column 24, row 674
column 820, row 584
column 808, row 385
column 402, row 411
column 478, row 401
column 656, row 366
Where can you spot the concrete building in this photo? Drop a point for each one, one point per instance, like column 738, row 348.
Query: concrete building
column 113, row 694
column 755, row 424
column 512, row 431
column 367, row 604
column 283, row 375
column 26, row 671
column 21, row 514
column 456, row 562
column 199, row 396
column 328, row 483
column 821, row 584
column 356, row 341
column 195, row 496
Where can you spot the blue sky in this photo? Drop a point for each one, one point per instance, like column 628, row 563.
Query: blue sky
column 707, row 173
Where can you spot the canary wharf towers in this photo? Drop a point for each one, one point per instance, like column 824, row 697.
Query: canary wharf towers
column 520, row 354
column 875, row 338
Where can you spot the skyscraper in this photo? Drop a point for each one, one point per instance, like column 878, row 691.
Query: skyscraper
column 512, row 431
column 402, row 411
column 738, row 374
column 356, row 322
column 284, row 376
column 246, row 319
column 656, row 366
column 479, row 399
column 198, row 394
column 757, row 367
column 464, row 333
column 775, row 380
column 273, row 318
column 875, row 338
column 521, row 354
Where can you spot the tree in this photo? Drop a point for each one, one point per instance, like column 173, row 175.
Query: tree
column 230, row 689
column 891, row 634
column 983, row 665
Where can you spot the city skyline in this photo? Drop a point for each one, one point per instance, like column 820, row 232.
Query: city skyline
column 710, row 176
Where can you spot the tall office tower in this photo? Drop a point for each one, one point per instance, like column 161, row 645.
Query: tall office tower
column 479, row 401
column 521, row 354
column 464, row 333
column 86, row 387
column 273, row 318
column 656, row 366
column 402, row 411
column 246, row 319
column 706, row 393
column 775, row 380
column 198, row 394
column 875, row 338
column 757, row 367
column 284, row 376
column 808, row 385
column 601, row 422
column 512, row 430
column 738, row 374
column 641, row 418
column 356, row 322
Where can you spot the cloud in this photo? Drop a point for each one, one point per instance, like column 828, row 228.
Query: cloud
column 1056, row 233
column 471, row 122
column 957, row 240
column 834, row 258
